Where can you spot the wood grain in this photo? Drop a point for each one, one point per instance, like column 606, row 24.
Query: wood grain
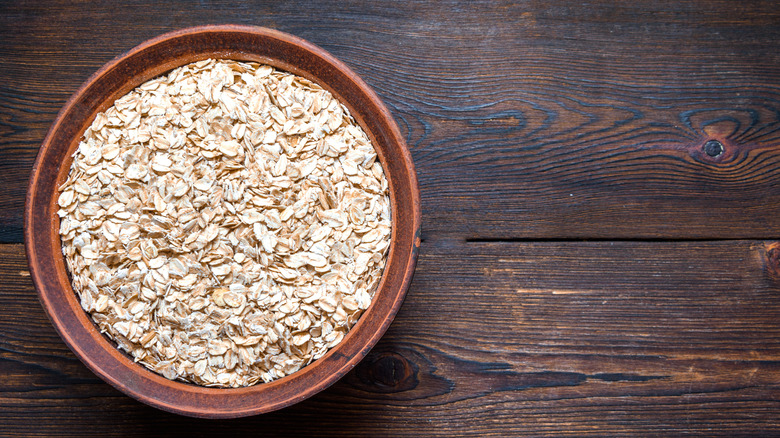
column 534, row 126
column 533, row 120
column 558, row 338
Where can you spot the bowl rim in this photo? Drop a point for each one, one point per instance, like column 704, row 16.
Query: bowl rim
column 47, row 274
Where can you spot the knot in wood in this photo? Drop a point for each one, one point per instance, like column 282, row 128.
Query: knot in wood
column 773, row 260
column 713, row 148
column 388, row 372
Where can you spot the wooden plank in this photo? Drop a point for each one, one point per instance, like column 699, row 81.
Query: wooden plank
column 494, row 339
column 532, row 120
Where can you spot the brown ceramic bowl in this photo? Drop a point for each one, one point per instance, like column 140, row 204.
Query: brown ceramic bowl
column 145, row 62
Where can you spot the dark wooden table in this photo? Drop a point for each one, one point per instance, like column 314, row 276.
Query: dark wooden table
column 601, row 208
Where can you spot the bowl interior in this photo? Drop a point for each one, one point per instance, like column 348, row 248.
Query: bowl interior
column 152, row 59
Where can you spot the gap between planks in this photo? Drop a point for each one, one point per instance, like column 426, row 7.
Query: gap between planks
column 600, row 240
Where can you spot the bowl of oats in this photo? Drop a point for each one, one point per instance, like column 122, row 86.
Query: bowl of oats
column 222, row 221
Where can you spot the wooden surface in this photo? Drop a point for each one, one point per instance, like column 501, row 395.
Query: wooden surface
column 587, row 268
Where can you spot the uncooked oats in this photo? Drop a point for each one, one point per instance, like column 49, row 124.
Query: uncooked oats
column 226, row 223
